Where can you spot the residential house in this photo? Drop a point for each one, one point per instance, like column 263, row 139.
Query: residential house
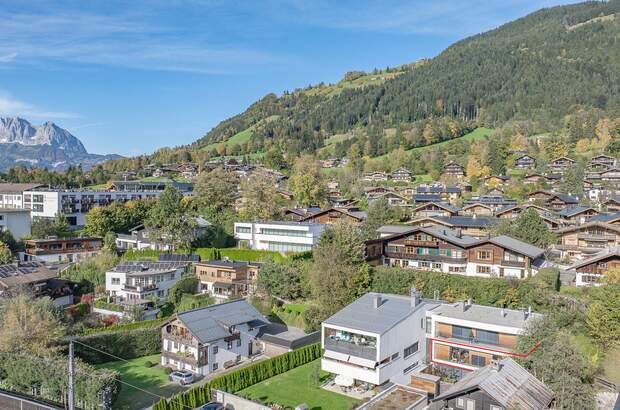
column 525, row 162
column 535, row 178
column 547, row 216
column 495, row 202
column 54, row 249
column 539, row 196
column 378, row 338
column 227, row 278
column 17, row 221
column 143, row 280
column 453, row 170
column 463, row 336
column 604, row 160
column 375, row 176
column 431, row 209
column 496, row 180
column 496, row 191
column 392, row 198
column 278, row 236
column 445, row 250
column 558, row 202
column 477, row 209
column 426, row 198
column 577, row 214
column 468, row 225
column 446, row 193
column 12, row 195
column 613, row 204
column 612, row 218
column 41, row 280
column 211, row 338
column 375, row 191
column 331, row 215
column 587, row 239
column 297, row 214
column 591, row 271
column 500, row 385
column 402, row 174
column 142, row 238
column 561, row 164
column 329, row 163
column 611, row 175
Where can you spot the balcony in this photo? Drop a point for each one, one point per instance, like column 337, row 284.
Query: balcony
column 425, row 257
column 596, row 237
column 365, row 351
column 515, row 264
column 176, row 336
column 506, row 342
column 413, row 242
column 185, row 358
column 140, row 288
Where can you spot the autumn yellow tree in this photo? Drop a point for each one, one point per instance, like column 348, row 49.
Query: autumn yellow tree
column 583, row 146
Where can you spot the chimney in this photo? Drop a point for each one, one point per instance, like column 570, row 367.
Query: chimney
column 416, row 298
column 502, row 312
column 463, row 305
column 459, row 233
column 376, row 301
column 474, row 216
column 495, row 365
column 469, row 302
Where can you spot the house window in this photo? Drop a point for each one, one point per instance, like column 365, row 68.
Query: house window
column 478, row 361
column 470, row 404
column 238, row 342
column 460, row 402
column 436, row 265
column 424, row 264
column 428, row 325
column 488, row 337
column 484, row 255
column 229, row 345
column 116, row 281
column 494, row 407
column 411, row 350
column 483, row 269
column 214, row 349
column 395, row 356
column 410, row 367
column 460, row 332
column 214, row 366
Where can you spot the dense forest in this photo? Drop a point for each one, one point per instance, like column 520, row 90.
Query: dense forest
column 488, row 79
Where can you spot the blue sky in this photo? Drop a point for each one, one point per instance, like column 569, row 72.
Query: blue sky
column 130, row 77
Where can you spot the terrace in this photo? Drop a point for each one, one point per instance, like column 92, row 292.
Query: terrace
column 351, row 343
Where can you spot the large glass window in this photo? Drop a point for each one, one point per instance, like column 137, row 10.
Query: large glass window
column 350, row 343
column 485, row 336
column 287, row 247
column 411, row 350
column 461, row 332
column 243, row 229
column 282, row 232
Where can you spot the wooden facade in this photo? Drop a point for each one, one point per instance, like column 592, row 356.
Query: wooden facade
column 330, row 216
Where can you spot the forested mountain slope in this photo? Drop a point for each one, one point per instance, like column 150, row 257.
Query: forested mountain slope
column 545, row 68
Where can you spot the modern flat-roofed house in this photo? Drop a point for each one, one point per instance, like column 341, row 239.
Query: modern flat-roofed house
column 41, row 280
column 211, row 338
column 464, row 336
column 499, row 385
column 561, row 164
column 52, row 250
column 12, row 195
column 453, row 170
column 591, row 271
column 376, row 339
column 142, row 280
column 227, row 278
column 17, row 221
column 576, row 242
column 525, row 162
column 278, row 236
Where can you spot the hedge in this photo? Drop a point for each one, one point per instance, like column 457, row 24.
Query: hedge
column 240, row 379
column 238, row 254
column 127, row 344
column 102, row 304
column 125, row 327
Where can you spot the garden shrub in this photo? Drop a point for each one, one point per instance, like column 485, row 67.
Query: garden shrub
column 127, row 345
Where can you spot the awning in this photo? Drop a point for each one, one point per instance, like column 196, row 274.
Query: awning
column 345, row 381
column 362, row 362
column 335, row 355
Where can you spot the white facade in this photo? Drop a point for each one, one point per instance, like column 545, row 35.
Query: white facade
column 16, row 221
column 75, row 204
column 391, row 356
column 279, row 236
column 12, row 200
column 141, row 285
column 476, row 269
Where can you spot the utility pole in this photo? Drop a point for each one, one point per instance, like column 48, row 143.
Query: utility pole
column 71, row 378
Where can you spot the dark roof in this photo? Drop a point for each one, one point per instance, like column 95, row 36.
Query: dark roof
column 574, row 210
column 604, row 254
column 24, row 273
column 516, row 245
column 438, row 190
column 443, row 205
column 604, row 217
column 214, row 322
column 17, row 188
column 426, row 198
column 465, row 221
column 178, row 257
column 508, row 383
column 569, row 199
column 229, row 263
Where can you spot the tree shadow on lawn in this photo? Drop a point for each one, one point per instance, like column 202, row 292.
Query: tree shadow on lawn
column 130, row 398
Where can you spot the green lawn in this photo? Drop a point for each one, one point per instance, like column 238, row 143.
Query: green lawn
column 134, row 372
column 295, row 387
column 296, row 307
column 241, row 137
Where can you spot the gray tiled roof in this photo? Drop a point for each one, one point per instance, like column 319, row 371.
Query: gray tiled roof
column 517, row 246
column 604, row 217
column 450, row 235
column 465, row 221
column 574, row 210
column 213, row 322
column 510, row 385
column 362, row 315
column 605, row 253
column 484, row 314
column 393, row 229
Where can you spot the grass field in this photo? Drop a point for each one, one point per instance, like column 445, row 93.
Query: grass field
column 295, row 387
column 611, row 370
column 241, row 137
column 152, row 379
column 478, row 133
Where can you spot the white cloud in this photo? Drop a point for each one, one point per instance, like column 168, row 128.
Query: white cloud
column 7, row 57
column 11, row 107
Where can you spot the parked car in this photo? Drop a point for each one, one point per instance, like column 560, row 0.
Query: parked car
column 182, row 376
column 214, row 405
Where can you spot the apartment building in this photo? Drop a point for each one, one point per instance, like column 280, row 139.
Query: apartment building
column 227, row 278
column 445, row 250
column 463, row 337
column 50, row 250
column 376, row 339
column 211, row 338
column 12, row 195
column 17, row 221
column 278, row 236
column 142, row 280
column 75, row 204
